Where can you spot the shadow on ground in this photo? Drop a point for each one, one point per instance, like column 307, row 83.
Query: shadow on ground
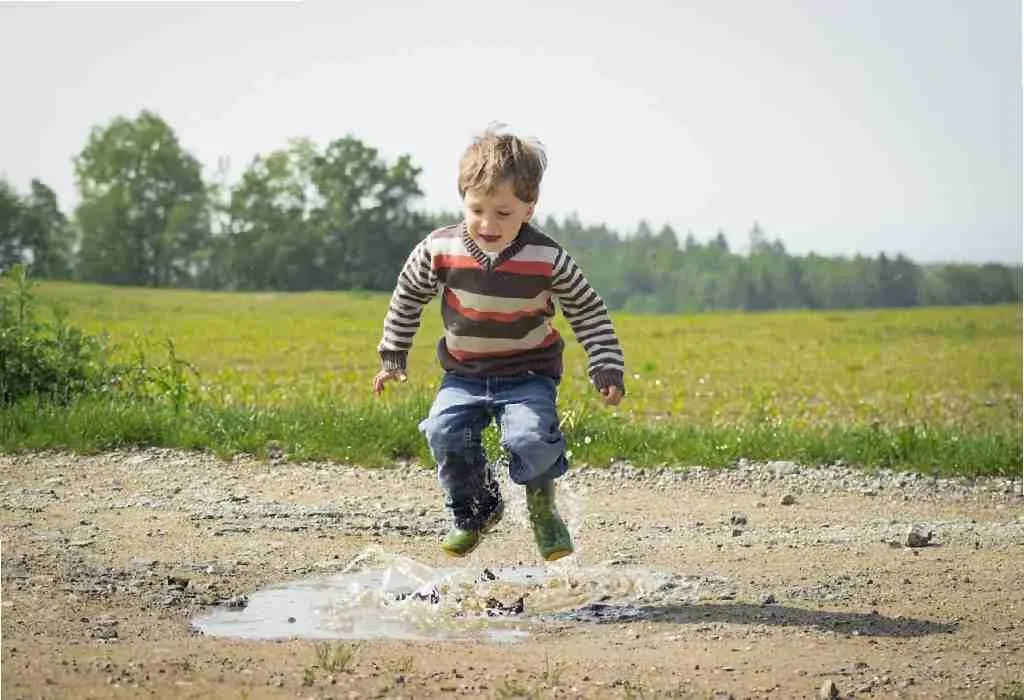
column 866, row 624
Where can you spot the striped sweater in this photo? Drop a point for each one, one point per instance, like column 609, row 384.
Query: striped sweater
column 498, row 314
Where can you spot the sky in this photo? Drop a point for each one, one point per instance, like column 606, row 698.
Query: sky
column 839, row 126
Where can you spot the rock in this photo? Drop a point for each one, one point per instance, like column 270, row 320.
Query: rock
column 104, row 628
column 783, row 468
column 275, row 450
column 788, row 500
column 828, row 690
column 918, row 536
column 767, row 599
column 738, row 519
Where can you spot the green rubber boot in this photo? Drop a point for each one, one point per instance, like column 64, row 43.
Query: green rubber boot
column 549, row 530
column 461, row 541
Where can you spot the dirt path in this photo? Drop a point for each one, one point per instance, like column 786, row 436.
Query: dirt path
column 108, row 559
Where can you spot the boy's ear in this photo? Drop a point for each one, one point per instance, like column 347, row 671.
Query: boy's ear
column 530, row 209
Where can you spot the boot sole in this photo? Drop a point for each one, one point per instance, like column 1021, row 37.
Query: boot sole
column 459, row 555
column 557, row 554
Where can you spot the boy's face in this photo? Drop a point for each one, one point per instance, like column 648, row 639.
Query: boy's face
column 494, row 219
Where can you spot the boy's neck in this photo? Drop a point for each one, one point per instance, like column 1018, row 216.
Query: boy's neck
column 484, row 256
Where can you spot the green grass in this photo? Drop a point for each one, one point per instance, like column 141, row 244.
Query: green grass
column 925, row 389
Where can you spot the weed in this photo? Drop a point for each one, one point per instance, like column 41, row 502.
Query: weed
column 405, row 665
column 1012, row 691
column 552, row 674
column 512, row 689
column 334, row 657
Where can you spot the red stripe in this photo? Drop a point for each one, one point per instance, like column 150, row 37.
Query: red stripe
column 527, row 267
column 462, row 355
column 475, row 315
column 453, row 262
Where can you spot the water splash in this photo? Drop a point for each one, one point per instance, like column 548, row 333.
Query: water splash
column 381, row 594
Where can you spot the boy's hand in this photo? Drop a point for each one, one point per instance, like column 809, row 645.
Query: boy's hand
column 385, row 376
column 611, row 395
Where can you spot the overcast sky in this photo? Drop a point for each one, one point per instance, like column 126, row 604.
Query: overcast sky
column 841, row 126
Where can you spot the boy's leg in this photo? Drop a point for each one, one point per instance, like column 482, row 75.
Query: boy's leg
column 528, row 418
column 530, row 433
column 453, row 430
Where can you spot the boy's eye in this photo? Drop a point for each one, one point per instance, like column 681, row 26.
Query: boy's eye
column 504, row 213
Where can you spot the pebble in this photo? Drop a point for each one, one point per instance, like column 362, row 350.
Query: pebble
column 919, row 536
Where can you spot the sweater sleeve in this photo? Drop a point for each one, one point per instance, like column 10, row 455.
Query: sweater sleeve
column 588, row 317
column 417, row 285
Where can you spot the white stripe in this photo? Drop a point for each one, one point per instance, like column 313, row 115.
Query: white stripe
column 483, row 302
column 536, row 253
column 472, row 344
column 448, row 246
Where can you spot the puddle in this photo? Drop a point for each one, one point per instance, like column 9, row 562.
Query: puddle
column 385, row 595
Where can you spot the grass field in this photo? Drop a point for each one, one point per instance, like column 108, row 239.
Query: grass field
column 928, row 389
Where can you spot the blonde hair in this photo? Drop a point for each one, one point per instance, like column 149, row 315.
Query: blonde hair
column 497, row 156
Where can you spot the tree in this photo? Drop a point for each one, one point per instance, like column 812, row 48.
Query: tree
column 144, row 209
column 34, row 232
column 47, row 233
column 366, row 223
column 758, row 241
column 11, row 215
column 340, row 219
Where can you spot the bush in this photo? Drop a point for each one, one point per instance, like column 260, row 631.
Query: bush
column 56, row 362
column 52, row 361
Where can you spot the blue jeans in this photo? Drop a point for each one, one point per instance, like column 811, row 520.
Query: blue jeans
column 523, row 406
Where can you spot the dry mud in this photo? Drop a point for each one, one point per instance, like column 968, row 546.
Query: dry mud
column 760, row 581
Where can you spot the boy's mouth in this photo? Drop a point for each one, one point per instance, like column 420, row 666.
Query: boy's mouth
column 490, row 238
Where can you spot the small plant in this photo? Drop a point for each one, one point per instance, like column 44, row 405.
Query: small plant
column 405, row 665
column 334, row 657
column 512, row 689
column 632, row 692
column 552, row 674
column 1013, row 691
column 308, row 677
column 169, row 381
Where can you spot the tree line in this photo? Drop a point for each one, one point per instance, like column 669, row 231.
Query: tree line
column 342, row 217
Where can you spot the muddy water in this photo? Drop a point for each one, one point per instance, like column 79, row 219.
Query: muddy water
column 381, row 594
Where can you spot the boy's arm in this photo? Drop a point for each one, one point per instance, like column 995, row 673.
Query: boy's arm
column 588, row 317
column 417, row 285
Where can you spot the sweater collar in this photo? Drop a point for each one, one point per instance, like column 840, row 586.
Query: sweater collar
column 481, row 257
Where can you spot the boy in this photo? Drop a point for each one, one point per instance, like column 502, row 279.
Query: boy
column 502, row 357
